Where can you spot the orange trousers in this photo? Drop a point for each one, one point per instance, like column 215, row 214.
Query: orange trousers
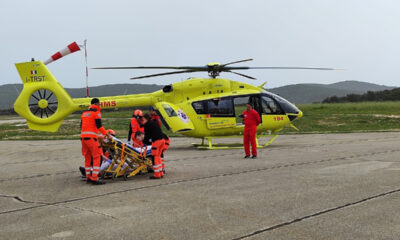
column 166, row 146
column 156, row 150
column 91, row 152
column 249, row 137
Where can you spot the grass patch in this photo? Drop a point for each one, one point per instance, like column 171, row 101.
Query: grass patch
column 348, row 117
column 318, row 118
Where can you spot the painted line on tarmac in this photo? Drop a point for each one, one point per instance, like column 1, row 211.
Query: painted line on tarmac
column 43, row 204
column 195, row 179
column 317, row 214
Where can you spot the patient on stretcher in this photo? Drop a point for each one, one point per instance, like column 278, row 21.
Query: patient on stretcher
column 107, row 154
column 137, row 146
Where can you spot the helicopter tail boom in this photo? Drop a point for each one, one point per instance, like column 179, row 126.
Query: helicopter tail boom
column 43, row 102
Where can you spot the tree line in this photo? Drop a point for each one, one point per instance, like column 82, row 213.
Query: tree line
column 379, row 96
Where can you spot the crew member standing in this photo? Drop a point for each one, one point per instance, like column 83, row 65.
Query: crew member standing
column 90, row 126
column 154, row 116
column 251, row 119
column 135, row 125
column 166, row 146
column 154, row 136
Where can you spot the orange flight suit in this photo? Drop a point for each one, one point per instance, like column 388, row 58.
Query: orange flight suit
column 134, row 127
column 251, row 120
column 91, row 150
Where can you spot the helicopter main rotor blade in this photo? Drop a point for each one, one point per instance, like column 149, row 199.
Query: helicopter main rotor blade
column 245, row 60
column 213, row 69
column 222, row 67
column 163, row 74
column 283, row 68
column 199, row 68
column 243, row 75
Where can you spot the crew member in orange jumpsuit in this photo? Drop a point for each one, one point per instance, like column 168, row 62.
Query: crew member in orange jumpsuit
column 166, row 146
column 154, row 116
column 155, row 137
column 90, row 126
column 105, row 156
column 135, row 125
column 251, row 119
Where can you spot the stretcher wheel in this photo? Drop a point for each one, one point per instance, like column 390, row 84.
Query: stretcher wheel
column 113, row 176
column 126, row 176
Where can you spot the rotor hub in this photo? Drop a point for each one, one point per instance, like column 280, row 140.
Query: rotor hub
column 43, row 103
column 213, row 69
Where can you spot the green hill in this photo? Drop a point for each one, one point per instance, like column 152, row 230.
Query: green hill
column 315, row 93
column 370, row 96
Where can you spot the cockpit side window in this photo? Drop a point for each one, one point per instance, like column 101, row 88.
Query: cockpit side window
column 169, row 110
column 269, row 106
column 285, row 105
column 240, row 105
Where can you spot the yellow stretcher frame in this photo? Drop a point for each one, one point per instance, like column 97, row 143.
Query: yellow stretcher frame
column 216, row 146
column 137, row 161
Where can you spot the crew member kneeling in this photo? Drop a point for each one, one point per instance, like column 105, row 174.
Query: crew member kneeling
column 154, row 136
column 90, row 126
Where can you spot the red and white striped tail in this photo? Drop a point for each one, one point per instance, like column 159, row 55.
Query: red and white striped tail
column 73, row 47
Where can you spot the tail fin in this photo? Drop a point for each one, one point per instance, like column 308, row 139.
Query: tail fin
column 43, row 102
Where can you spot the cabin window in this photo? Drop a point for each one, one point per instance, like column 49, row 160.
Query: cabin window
column 220, row 107
column 217, row 107
column 199, row 107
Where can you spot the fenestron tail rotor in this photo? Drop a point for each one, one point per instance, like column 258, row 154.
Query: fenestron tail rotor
column 43, row 103
column 213, row 69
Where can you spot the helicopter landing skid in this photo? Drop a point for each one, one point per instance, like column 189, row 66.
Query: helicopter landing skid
column 211, row 146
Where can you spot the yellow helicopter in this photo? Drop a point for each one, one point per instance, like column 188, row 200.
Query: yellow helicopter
column 201, row 108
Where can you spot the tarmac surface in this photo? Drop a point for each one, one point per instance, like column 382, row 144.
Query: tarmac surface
column 335, row 186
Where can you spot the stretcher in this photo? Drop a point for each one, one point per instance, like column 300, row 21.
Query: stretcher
column 127, row 161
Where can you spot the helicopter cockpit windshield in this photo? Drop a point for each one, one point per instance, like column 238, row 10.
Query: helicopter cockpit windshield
column 285, row 104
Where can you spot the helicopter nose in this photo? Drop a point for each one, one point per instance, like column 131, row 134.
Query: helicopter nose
column 293, row 116
column 300, row 114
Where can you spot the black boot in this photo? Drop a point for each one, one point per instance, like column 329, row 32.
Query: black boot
column 83, row 172
column 152, row 177
column 98, row 182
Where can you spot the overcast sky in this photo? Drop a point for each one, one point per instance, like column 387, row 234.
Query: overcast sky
column 360, row 36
